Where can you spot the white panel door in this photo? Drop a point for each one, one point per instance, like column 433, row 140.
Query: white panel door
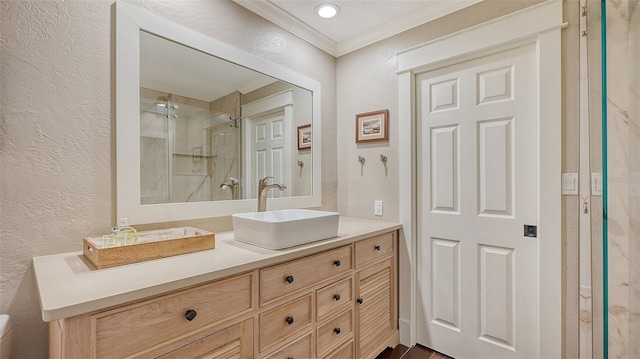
column 477, row 186
column 270, row 152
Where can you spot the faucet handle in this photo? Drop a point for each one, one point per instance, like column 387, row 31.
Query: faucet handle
column 265, row 181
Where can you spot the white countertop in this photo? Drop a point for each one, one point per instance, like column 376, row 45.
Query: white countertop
column 69, row 285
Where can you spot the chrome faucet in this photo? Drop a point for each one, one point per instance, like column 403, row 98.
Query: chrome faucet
column 263, row 190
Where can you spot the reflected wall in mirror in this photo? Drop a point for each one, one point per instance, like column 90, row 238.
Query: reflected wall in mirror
column 198, row 122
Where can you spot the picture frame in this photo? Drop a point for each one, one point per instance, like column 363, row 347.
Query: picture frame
column 304, row 137
column 372, row 126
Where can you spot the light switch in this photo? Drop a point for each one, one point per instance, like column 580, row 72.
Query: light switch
column 377, row 208
column 596, row 184
column 570, row 184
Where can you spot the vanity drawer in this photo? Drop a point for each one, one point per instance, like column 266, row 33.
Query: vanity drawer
column 300, row 349
column 132, row 329
column 333, row 297
column 232, row 342
column 335, row 332
column 344, row 352
column 285, row 279
column 285, row 321
column 374, row 248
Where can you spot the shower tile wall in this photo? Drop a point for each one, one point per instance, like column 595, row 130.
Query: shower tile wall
column 634, row 176
column 620, row 147
column 225, row 146
column 183, row 158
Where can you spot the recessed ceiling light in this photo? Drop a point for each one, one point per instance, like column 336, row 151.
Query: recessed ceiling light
column 327, row 11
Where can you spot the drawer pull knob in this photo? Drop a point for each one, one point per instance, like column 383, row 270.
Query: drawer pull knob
column 289, row 279
column 190, row 314
column 377, row 248
column 336, row 330
column 336, row 296
column 360, row 301
column 336, row 263
column 289, row 320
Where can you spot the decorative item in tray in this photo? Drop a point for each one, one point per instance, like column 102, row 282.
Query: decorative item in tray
column 114, row 250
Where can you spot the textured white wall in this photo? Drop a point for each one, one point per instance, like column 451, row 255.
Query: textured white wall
column 56, row 146
column 367, row 81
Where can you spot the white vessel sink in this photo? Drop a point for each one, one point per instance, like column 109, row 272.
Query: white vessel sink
column 284, row 228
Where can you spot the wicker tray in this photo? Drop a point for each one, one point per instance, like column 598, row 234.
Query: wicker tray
column 150, row 245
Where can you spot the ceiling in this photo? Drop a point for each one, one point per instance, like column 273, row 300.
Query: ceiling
column 359, row 23
column 180, row 70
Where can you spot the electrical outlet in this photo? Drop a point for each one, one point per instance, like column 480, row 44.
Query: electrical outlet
column 377, row 208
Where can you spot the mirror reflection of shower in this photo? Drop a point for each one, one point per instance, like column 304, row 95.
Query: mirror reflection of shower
column 188, row 147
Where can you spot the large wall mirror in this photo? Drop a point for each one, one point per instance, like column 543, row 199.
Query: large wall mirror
column 199, row 122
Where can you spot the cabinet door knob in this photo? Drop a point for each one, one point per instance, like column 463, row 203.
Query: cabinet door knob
column 336, row 330
column 336, row 263
column 336, row 296
column 360, row 301
column 289, row 279
column 190, row 314
column 377, row 248
column 289, row 320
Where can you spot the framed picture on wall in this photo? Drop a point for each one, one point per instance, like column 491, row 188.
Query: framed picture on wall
column 304, row 137
column 372, row 126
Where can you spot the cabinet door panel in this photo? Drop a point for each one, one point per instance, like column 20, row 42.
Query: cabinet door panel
column 376, row 306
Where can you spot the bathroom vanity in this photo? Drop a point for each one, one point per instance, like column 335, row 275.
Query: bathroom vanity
column 335, row 298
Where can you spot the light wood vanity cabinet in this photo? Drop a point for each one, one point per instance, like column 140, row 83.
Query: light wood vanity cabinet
column 340, row 303
column 355, row 297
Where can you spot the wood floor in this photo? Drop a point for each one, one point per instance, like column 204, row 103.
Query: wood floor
column 416, row 352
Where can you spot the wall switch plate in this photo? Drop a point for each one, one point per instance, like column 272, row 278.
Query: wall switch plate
column 596, row 184
column 377, row 208
column 569, row 183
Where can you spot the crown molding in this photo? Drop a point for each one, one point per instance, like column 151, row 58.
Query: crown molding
column 276, row 15
column 435, row 10
column 283, row 19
